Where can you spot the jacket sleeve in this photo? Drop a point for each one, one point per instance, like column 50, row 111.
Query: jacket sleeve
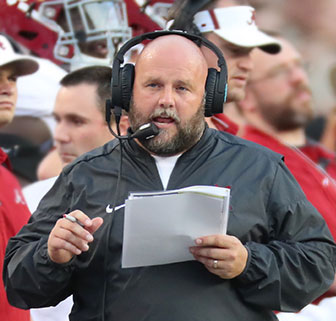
column 297, row 264
column 31, row 279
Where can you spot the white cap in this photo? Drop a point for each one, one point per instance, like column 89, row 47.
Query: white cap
column 37, row 92
column 236, row 25
column 23, row 65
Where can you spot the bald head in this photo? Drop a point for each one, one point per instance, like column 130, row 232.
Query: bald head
column 173, row 50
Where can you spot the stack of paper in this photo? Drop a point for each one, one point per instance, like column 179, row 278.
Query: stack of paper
column 160, row 227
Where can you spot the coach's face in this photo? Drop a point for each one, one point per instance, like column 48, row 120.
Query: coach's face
column 168, row 90
column 8, row 95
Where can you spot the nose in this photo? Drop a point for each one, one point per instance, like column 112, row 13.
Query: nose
column 298, row 75
column 167, row 97
column 7, row 87
column 61, row 134
column 245, row 62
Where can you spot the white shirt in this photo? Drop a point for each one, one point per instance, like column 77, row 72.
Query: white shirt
column 165, row 166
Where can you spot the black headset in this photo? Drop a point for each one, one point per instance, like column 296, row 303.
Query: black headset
column 123, row 77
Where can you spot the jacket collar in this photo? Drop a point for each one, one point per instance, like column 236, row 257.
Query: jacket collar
column 133, row 147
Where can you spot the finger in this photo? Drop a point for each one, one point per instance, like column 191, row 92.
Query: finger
column 76, row 229
column 217, row 240
column 57, row 244
column 219, row 268
column 208, row 262
column 209, row 252
column 74, row 239
column 82, row 218
column 96, row 224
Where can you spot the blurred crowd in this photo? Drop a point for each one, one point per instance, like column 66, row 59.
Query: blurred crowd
column 311, row 28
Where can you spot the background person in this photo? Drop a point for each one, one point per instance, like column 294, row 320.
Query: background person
column 27, row 138
column 277, row 107
column 252, row 265
column 13, row 210
column 229, row 24
column 79, row 112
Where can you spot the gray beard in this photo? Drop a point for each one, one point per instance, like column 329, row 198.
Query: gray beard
column 186, row 137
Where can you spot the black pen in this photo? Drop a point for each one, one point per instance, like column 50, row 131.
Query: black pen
column 73, row 219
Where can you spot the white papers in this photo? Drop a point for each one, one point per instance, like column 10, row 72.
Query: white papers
column 160, row 227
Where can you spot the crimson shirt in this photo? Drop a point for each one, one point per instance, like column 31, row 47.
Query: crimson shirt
column 14, row 214
column 224, row 124
column 317, row 184
column 319, row 187
column 321, row 156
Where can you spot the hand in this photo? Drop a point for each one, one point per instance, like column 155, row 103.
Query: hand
column 68, row 239
column 223, row 255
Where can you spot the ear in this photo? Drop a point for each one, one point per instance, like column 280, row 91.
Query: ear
column 124, row 124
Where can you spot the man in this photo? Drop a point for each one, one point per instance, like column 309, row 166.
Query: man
column 229, row 24
column 278, row 253
column 28, row 137
column 13, row 210
column 277, row 107
column 79, row 112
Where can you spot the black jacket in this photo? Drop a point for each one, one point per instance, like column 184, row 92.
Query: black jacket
column 291, row 252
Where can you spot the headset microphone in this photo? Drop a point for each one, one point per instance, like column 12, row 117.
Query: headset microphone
column 146, row 131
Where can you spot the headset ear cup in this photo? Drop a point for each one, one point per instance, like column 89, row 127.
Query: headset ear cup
column 210, row 89
column 127, row 80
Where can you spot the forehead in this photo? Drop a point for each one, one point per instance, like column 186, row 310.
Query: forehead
column 264, row 62
column 78, row 99
column 229, row 49
column 7, row 70
column 168, row 59
column 167, row 67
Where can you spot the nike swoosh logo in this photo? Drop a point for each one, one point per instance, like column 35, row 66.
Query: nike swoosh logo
column 109, row 209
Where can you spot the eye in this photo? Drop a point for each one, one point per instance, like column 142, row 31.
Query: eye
column 57, row 119
column 77, row 121
column 12, row 78
column 152, row 85
column 238, row 51
column 182, row 88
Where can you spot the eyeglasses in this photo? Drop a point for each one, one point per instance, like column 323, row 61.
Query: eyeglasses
column 282, row 72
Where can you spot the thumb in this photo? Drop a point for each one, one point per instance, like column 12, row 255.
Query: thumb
column 96, row 224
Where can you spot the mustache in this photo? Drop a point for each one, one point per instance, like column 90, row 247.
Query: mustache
column 303, row 87
column 165, row 113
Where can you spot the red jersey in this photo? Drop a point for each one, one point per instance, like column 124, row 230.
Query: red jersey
column 14, row 214
column 321, row 156
column 224, row 124
column 319, row 187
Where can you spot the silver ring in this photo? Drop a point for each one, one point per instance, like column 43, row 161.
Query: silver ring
column 215, row 264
